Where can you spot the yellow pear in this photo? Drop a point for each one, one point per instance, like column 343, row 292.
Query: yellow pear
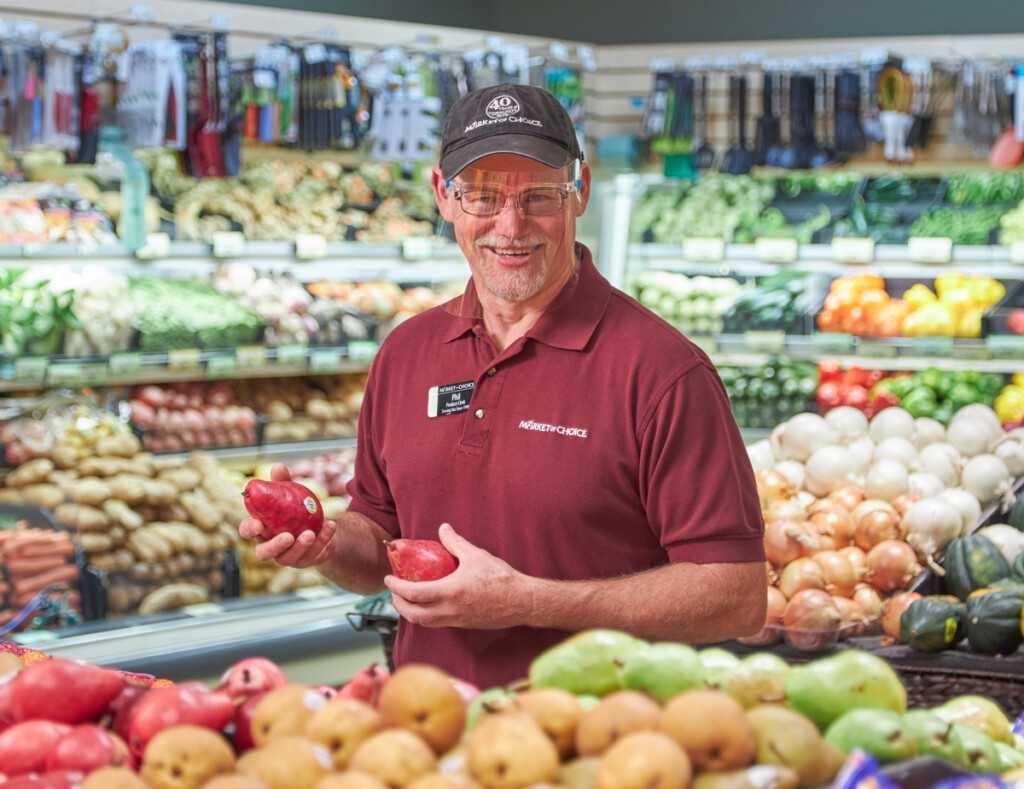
column 644, row 760
column 395, row 757
column 341, row 727
column 558, row 714
column 712, row 728
column 510, row 751
column 288, row 762
column 614, row 716
column 423, row 700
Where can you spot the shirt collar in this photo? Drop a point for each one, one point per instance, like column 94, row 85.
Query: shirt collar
column 568, row 322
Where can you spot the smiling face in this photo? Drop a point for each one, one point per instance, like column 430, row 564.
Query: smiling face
column 515, row 258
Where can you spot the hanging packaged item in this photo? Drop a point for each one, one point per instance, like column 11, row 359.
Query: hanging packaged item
column 152, row 102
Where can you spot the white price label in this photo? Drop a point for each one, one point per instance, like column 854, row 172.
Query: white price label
column 228, row 244
column 158, row 245
column 315, row 53
column 776, row 250
column 930, row 250
column 251, row 357
column 853, row 250
column 315, row 592
column 417, row 247
column 184, row 359
column 1017, row 252
column 310, row 246
column 202, row 609
column 704, row 249
column 264, row 78
column 765, row 341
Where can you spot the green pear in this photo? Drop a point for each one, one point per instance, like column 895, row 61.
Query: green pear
column 663, row 670
column 824, row 689
column 587, row 662
column 789, row 739
column 1009, row 758
column 978, row 712
column 935, row 737
column 717, row 663
column 879, row 732
column 759, row 678
column 980, row 749
column 587, row 700
column 488, row 702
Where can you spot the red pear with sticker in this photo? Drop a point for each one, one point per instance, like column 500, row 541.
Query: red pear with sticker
column 420, row 560
column 283, row 507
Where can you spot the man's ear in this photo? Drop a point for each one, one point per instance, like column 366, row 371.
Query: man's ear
column 584, row 190
column 441, row 195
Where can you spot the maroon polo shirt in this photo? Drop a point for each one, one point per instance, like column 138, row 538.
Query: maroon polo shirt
column 598, row 445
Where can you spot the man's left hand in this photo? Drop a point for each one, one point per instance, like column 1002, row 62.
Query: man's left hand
column 483, row 593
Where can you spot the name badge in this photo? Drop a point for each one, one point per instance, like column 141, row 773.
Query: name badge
column 449, row 399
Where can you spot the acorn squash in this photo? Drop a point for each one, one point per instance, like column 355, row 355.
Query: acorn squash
column 994, row 623
column 933, row 623
column 972, row 562
column 1018, row 566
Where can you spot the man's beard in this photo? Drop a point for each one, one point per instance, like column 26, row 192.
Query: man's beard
column 518, row 284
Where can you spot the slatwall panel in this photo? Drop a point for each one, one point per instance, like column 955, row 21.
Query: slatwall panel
column 616, row 91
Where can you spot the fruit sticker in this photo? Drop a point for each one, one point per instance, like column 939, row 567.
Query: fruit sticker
column 310, row 503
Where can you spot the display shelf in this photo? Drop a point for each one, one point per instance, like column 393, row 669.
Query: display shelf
column 894, row 353
column 235, row 457
column 891, row 259
column 204, row 639
column 186, row 364
column 403, row 264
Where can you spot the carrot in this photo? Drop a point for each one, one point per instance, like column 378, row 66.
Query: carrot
column 68, row 572
column 36, row 550
column 28, row 565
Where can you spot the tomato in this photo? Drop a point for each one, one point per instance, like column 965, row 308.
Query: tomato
column 829, row 370
column 189, row 703
column 85, row 748
column 25, row 747
column 63, row 690
column 828, row 397
column 1015, row 321
column 856, row 396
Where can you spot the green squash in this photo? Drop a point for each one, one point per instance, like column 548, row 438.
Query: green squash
column 1015, row 517
column 933, row 623
column 972, row 562
column 1010, row 584
column 993, row 623
column 1018, row 565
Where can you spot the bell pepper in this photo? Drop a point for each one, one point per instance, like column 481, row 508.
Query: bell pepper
column 920, row 402
column 918, row 296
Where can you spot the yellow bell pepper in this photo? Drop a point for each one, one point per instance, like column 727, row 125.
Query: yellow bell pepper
column 1018, row 379
column 933, row 320
column 968, row 323
column 948, row 281
column 985, row 290
column 918, row 296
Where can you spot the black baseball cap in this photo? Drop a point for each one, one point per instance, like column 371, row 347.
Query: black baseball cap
column 518, row 119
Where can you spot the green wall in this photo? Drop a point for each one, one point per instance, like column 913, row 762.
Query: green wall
column 680, row 21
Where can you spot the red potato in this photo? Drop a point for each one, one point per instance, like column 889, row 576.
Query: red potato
column 153, row 395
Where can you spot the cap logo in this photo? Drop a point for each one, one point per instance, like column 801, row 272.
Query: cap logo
column 502, row 107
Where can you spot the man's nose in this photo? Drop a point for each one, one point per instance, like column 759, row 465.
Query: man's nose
column 510, row 215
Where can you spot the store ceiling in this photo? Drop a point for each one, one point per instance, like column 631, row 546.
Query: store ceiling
column 610, row 22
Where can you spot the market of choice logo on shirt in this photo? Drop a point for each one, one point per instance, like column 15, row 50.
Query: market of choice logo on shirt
column 562, row 430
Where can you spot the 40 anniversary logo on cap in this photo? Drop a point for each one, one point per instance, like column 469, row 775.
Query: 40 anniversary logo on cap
column 502, row 107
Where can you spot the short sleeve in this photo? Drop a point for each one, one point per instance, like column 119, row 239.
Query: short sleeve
column 368, row 488
column 696, row 479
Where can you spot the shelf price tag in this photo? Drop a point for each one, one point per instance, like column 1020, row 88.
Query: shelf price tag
column 324, row 361
column 292, row 355
column 930, row 250
column 833, row 342
column 362, row 351
column 321, row 592
column 220, row 366
column 183, row 360
column 1006, row 346
column 1017, row 252
column 704, row 342
column 125, row 363
column 251, row 357
column 704, row 250
column 64, row 373
column 30, row 368
column 158, row 245
column 972, row 350
column 310, row 246
column 765, row 341
column 932, row 346
column 417, row 247
column 853, row 250
column 203, row 609
column 228, row 244
column 776, row 250
column 877, row 349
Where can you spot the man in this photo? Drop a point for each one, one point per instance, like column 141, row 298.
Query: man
column 581, row 449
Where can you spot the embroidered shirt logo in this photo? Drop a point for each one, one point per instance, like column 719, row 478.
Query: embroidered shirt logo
column 562, row 430
column 502, row 107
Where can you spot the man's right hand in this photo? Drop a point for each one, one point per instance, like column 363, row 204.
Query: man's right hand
column 305, row 550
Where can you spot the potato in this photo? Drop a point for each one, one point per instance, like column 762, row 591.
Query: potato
column 159, row 493
column 173, row 596
column 90, row 490
column 92, row 542
column 31, row 473
column 66, row 457
column 82, row 517
column 106, row 467
column 45, row 495
column 201, row 510
column 124, row 446
column 121, row 513
column 129, row 488
column 181, row 478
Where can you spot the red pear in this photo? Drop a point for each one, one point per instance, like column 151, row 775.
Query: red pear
column 283, row 507
column 420, row 560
